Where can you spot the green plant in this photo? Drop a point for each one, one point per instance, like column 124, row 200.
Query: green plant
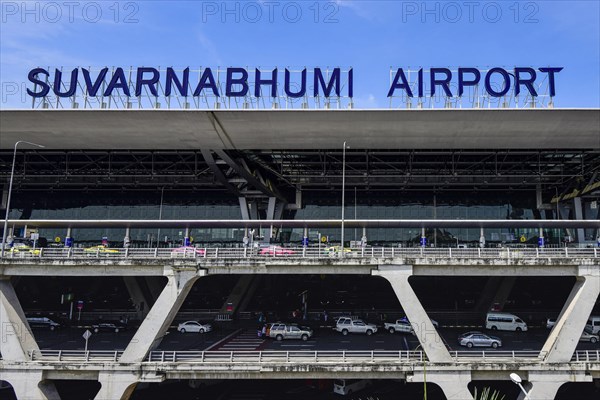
column 487, row 394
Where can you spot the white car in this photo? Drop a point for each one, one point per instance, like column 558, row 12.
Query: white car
column 346, row 325
column 194, row 326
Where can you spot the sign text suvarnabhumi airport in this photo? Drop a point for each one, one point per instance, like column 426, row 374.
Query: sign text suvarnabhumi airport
column 241, row 82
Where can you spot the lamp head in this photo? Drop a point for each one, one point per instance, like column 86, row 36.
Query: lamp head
column 515, row 378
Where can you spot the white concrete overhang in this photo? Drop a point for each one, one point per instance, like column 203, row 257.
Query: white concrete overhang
column 303, row 129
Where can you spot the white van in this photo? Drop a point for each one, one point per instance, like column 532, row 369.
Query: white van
column 504, row 322
column 593, row 324
column 349, row 386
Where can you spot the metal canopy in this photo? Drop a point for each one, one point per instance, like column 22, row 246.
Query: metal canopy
column 333, row 223
column 303, row 129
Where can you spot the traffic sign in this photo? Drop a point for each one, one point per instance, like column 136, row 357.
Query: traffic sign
column 86, row 335
column 80, row 305
column 57, row 239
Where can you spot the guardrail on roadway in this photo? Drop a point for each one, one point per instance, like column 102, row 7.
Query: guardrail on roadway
column 303, row 253
column 301, row 356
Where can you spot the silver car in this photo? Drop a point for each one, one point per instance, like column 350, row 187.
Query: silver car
column 478, row 339
column 194, row 326
column 588, row 336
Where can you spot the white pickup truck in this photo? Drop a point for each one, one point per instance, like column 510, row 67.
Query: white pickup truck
column 346, row 325
column 400, row 325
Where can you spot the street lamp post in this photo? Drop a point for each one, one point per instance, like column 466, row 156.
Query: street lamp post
column 517, row 380
column 343, row 197
column 12, row 173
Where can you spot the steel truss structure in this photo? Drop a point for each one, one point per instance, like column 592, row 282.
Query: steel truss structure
column 280, row 173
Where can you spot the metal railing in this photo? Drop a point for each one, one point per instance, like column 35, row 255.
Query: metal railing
column 302, row 356
column 504, row 253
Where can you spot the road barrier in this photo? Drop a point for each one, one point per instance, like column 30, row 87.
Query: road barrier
column 303, row 356
column 503, row 253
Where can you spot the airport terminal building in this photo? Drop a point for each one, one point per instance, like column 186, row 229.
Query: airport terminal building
column 424, row 213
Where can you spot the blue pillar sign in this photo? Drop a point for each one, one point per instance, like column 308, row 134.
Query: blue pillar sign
column 423, row 241
column 541, row 242
column 305, row 242
column 186, row 241
column 68, row 242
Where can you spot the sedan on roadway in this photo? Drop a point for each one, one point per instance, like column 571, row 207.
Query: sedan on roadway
column 194, row 326
column 108, row 327
column 101, row 250
column 21, row 249
column 276, row 251
column 333, row 251
column 187, row 251
column 588, row 336
column 479, row 339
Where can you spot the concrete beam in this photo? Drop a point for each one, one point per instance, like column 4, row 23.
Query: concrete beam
column 158, row 320
column 563, row 338
column 16, row 336
column 30, row 385
column 430, row 340
column 545, row 385
column 454, row 385
column 116, row 385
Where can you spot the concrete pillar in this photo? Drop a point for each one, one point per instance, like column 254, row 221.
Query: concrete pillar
column 240, row 290
column 454, row 384
column 430, row 340
column 126, row 240
column 496, row 291
column 579, row 216
column 244, row 208
column 158, row 320
column 30, row 385
column 155, row 286
column 565, row 334
column 16, row 336
column 544, row 385
column 503, row 291
column 140, row 301
column 68, row 239
column 116, row 385
column 271, row 207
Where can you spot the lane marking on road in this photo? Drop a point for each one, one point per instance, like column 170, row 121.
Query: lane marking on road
column 345, row 341
column 297, row 345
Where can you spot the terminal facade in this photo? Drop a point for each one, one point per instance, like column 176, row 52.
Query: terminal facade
column 303, row 165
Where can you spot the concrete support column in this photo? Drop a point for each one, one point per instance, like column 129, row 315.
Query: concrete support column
column 16, row 336
column 563, row 338
column 545, row 385
column 454, row 384
column 140, row 302
column 158, row 320
column 126, row 240
column 116, row 385
column 237, row 295
column 186, row 238
column 430, row 340
column 506, row 286
column 155, row 286
column 579, row 216
column 30, row 385
column 68, row 239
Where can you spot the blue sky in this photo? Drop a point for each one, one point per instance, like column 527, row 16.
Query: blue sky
column 370, row 36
